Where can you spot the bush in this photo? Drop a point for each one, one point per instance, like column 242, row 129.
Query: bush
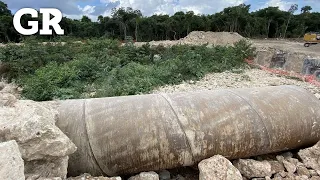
column 51, row 82
column 103, row 68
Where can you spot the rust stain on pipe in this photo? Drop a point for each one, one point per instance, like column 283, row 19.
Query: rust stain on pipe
column 123, row 135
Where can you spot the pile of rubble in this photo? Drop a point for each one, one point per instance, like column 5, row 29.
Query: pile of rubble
column 200, row 38
column 238, row 79
column 216, row 38
column 299, row 166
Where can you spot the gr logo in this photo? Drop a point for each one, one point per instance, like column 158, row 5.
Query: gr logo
column 46, row 21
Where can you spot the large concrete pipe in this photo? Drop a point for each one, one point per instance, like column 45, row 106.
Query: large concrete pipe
column 123, row 135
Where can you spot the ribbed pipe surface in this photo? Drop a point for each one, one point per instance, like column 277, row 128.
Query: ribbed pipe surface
column 123, row 135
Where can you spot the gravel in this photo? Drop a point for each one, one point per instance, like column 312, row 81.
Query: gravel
column 247, row 79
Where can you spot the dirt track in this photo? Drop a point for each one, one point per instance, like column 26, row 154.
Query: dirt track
column 285, row 45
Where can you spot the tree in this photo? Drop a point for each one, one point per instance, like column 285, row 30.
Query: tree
column 291, row 11
column 7, row 33
column 100, row 19
column 306, row 9
column 5, row 24
column 4, row 9
column 271, row 17
column 86, row 19
column 124, row 17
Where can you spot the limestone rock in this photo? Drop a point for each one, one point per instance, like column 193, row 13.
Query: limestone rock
column 47, row 169
column 11, row 89
column 254, row 169
column 313, row 172
column 89, row 177
column 41, row 143
column 301, row 177
column 266, row 178
column 11, row 163
column 7, row 99
column 290, row 167
column 32, row 125
column 280, row 158
column 218, row 168
column 291, row 176
column 311, row 156
column 276, row 167
column 146, row 176
column 303, row 171
column 294, row 161
column 277, row 178
column 281, row 174
column 40, row 178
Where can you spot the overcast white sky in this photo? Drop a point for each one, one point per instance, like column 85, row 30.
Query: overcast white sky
column 93, row 8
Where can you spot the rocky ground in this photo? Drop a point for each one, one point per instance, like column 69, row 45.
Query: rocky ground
column 238, row 79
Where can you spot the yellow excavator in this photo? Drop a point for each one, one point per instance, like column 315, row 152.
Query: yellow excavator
column 311, row 38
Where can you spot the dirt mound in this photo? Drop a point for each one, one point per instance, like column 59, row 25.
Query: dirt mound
column 200, row 38
column 216, row 38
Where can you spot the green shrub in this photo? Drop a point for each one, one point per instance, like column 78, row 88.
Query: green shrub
column 51, row 82
column 104, row 68
column 131, row 79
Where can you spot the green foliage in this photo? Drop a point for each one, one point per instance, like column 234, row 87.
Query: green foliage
column 50, row 82
column 25, row 59
column 103, row 68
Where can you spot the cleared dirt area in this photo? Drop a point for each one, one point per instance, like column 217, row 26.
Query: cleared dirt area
column 286, row 45
column 294, row 51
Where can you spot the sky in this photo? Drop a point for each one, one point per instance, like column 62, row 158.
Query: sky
column 75, row 9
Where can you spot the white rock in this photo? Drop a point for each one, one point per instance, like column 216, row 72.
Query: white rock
column 12, row 89
column 145, row 176
column 41, row 143
column 276, row 167
column 32, row 125
column 11, row 163
column 218, row 168
column 253, row 169
column 290, row 167
column 7, row 99
column 47, row 169
column 303, row 171
column 311, row 157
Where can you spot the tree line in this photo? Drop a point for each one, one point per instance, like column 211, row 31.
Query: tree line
column 270, row 22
